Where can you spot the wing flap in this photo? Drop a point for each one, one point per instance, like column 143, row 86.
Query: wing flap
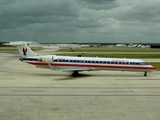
column 69, row 70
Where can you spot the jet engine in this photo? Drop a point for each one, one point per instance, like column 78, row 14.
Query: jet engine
column 46, row 59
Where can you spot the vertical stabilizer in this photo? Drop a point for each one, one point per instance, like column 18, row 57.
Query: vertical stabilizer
column 24, row 49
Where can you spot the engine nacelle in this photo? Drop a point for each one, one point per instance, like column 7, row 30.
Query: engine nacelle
column 46, row 59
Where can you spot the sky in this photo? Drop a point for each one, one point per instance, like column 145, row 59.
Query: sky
column 80, row 21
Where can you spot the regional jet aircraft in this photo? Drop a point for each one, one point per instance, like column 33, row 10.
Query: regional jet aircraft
column 78, row 64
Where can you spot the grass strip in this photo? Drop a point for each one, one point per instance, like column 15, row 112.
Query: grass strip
column 109, row 50
column 16, row 50
column 115, row 55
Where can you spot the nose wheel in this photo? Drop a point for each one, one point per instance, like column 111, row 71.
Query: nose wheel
column 145, row 73
column 75, row 73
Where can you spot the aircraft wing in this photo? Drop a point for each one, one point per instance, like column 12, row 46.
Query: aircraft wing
column 82, row 69
column 70, row 70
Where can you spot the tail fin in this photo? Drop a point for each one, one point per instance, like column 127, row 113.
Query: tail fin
column 24, row 49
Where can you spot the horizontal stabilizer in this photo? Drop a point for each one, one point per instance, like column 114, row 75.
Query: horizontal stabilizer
column 17, row 43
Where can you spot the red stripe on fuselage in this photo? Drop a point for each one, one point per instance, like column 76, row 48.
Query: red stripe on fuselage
column 95, row 66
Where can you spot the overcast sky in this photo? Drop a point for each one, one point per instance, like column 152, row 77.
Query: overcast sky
column 68, row 21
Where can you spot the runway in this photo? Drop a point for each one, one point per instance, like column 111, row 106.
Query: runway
column 28, row 93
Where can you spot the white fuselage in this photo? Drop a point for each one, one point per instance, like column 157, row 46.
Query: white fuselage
column 89, row 63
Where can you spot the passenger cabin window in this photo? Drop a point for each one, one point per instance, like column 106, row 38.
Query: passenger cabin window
column 56, row 60
column 137, row 63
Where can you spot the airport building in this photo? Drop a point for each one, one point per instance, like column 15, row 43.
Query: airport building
column 2, row 44
column 155, row 46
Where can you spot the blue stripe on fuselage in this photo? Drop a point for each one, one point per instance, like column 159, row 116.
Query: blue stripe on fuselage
column 95, row 62
column 30, row 59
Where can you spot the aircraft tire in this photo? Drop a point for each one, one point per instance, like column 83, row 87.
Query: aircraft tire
column 145, row 73
column 75, row 73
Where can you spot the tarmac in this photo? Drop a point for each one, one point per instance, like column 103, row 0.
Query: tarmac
column 29, row 93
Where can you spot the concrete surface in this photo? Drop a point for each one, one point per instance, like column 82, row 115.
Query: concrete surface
column 28, row 93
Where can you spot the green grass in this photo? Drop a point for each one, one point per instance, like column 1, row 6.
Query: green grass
column 116, row 55
column 7, row 49
column 109, row 50
column 14, row 49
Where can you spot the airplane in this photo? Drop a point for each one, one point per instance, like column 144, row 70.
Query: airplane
column 79, row 64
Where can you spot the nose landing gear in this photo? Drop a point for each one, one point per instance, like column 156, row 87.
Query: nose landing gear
column 75, row 73
column 145, row 73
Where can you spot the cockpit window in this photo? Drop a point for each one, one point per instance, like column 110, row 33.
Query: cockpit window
column 144, row 63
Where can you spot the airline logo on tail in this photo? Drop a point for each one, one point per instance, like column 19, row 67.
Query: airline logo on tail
column 25, row 51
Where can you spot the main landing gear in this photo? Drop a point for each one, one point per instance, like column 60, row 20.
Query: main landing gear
column 75, row 73
column 145, row 73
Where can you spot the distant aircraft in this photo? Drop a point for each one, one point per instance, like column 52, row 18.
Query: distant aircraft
column 138, row 46
column 121, row 45
column 78, row 64
column 85, row 45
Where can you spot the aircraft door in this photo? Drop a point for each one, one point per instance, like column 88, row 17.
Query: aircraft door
column 137, row 65
column 79, row 61
column 53, row 58
column 134, row 66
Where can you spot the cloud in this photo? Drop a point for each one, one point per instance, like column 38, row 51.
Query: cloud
column 99, row 1
column 99, row 4
column 79, row 20
column 20, row 13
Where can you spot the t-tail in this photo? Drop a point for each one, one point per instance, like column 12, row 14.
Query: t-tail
column 24, row 50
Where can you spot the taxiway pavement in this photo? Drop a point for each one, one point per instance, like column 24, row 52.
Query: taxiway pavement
column 29, row 93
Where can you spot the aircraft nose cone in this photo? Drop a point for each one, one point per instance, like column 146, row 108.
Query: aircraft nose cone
column 153, row 68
